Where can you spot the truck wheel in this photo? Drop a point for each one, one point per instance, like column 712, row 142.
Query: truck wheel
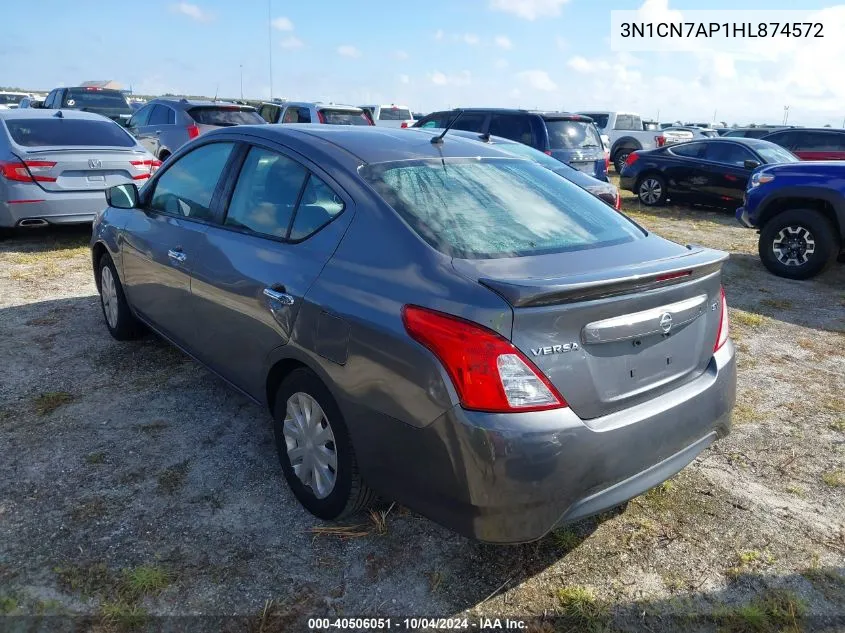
column 798, row 244
column 619, row 159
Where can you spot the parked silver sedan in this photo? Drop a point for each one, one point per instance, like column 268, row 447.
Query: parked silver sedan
column 55, row 165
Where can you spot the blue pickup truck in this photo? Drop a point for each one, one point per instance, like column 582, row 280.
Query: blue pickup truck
column 799, row 210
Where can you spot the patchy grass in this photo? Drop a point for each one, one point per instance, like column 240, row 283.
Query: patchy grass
column 744, row 413
column 171, row 480
column 146, row 580
column 839, row 425
column 581, row 605
column 378, row 519
column 749, row 319
column 798, row 491
column 88, row 579
column 48, row 402
column 834, row 478
column 777, row 304
column 95, row 458
column 567, row 539
column 775, row 611
column 342, row 532
column 8, row 605
column 123, row 615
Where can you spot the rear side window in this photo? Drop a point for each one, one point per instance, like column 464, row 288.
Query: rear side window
column 319, row 206
column 187, row 187
column 101, row 99
column 140, row 118
column 344, row 117
column 728, row 154
column 821, row 142
column 394, row 114
column 790, row 140
column 470, row 208
column 599, row 119
column 513, row 126
column 572, row 135
column 688, row 150
column 628, row 122
column 225, row 116
column 266, row 193
column 470, row 122
column 67, row 132
column 269, row 113
column 437, row 119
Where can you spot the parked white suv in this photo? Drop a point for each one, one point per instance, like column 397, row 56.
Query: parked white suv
column 390, row 115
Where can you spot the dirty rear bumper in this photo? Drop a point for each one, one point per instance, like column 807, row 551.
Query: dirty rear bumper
column 510, row 478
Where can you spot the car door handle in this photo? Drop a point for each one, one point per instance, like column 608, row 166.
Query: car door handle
column 177, row 255
column 279, row 295
column 158, row 132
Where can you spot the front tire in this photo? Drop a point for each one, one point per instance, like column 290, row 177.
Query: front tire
column 120, row 321
column 315, row 449
column 651, row 190
column 797, row 244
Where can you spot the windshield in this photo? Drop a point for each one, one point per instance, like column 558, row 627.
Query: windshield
column 497, row 207
column 394, row 114
column 7, row 99
column 345, row 117
column 63, row 132
column 598, row 118
column 564, row 134
column 772, row 153
column 82, row 99
column 225, row 116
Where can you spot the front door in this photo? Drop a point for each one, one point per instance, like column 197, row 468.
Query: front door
column 728, row 176
column 256, row 266
column 162, row 240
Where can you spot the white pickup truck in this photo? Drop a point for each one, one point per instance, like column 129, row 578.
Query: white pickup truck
column 626, row 134
column 390, row 115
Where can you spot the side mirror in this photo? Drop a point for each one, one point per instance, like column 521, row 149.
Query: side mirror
column 751, row 164
column 122, row 196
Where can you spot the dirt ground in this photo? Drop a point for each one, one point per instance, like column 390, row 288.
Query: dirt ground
column 136, row 489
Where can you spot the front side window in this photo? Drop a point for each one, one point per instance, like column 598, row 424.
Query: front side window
column 265, row 196
column 499, row 207
column 188, row 185
column 140, row 118
column 159, row 115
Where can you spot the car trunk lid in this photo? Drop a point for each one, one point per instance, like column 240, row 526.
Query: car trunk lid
column 86, row 168
column 611, row 337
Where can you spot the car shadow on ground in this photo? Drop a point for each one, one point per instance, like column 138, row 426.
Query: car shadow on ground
column 50, row 238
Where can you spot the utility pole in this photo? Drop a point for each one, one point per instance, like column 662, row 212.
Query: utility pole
column 785, row 114
column 270, row 42
column 242, row 82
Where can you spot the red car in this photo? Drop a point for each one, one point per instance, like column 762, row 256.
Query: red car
column 810, row 143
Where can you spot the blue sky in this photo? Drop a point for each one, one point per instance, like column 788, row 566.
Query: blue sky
column 527, row 53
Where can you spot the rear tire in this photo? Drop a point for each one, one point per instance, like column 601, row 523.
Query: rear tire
column 798, row 244
column 620, row 157
column 651, row 190
column 315, row 449
column 120, row 321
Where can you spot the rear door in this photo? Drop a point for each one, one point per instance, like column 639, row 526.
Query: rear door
column 159, row 127
column 283, row 220
column 162, row 241
column 728, row 176
column 69, row 154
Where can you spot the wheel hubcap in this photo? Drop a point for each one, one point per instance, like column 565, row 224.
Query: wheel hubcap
column 650, row 191
column 794, row 246
column 108, row 293
column 310, row 444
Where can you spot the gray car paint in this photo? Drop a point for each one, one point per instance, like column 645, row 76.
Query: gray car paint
column 496, row 477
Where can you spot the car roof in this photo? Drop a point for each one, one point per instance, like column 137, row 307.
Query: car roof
column 38, row 113
column 320, row 105
column 550, row 114
column 369, row 144
column 194, row 102
column 749, row 142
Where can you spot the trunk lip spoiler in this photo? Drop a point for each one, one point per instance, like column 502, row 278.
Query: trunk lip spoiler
column 610, row 282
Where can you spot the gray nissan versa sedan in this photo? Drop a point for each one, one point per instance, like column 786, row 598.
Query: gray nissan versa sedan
column 431, row 320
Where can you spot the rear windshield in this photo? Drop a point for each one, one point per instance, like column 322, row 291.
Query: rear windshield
column 572, row 135
column 80, row 99
column 225, row 116
column 345, row 117
column 599, row 119
column 7, row 99
column 394, row 114
column 498, row 207
column 62, row 132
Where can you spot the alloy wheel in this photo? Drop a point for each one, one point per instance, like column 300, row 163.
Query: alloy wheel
column 650, row 191
column 108, row 293
column 794, row 245
column 310, row 444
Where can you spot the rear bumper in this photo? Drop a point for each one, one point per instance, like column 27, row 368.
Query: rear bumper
column 510, row 478
column 62, row 208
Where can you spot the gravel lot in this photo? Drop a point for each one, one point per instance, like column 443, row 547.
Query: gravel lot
column 134, row 484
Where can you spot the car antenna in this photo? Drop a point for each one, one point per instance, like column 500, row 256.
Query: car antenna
column 438, row 140
column 216, row 90
column 484, row 137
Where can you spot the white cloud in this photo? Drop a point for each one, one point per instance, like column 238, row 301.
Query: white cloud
column 529, row 9
column 400, row 55
column 502, row 41
column 462, row 78
column 537, row 80
column 291, row 42
column 471, row 38
column 581, row 64
column 439, row 34
column 282, row 24
column 404, row 79
column 348, row 51
column 192, row 11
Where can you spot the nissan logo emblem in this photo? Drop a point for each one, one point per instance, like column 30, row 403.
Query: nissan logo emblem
column 666, row 322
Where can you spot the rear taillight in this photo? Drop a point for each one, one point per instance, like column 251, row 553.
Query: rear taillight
column 488, row 372
column 404, row 124
column 618, row 204
column 724, row 326
column 633, row 157
column 28, row 171
column 193, row 131
column 607, row 163
column 320, row 116
column 148, row 167
column 660, row 140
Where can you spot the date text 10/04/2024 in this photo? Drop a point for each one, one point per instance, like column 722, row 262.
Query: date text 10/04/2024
column 412, row 624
